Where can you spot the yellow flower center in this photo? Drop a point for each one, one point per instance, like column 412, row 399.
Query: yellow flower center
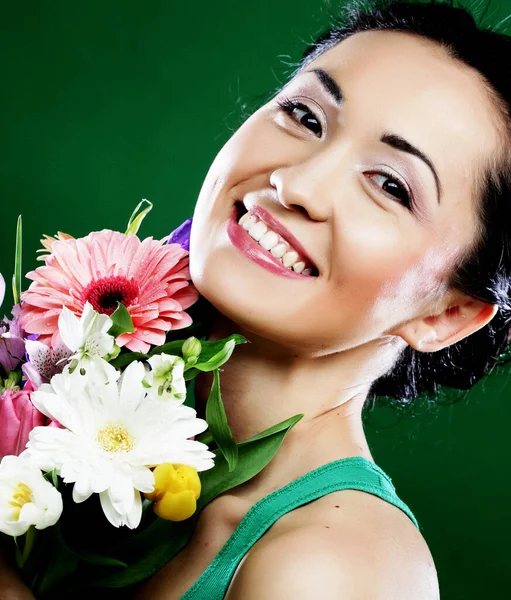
column 21, row 496
column 115, row 438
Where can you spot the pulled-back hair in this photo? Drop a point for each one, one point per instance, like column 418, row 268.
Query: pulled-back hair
column 483, row 271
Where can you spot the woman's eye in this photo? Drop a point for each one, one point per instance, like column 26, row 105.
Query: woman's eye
column 302, row 114
column 393, row 186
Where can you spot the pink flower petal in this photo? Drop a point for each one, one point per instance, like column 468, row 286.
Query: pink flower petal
column 90, row 268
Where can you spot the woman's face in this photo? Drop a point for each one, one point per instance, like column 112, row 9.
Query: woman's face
column 363, row 170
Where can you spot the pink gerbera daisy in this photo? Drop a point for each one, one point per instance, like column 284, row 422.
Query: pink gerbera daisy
column 105, row 267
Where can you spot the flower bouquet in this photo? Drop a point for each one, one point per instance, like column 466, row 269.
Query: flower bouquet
column 105, row 465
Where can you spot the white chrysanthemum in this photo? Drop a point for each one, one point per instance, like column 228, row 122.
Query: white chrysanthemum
column 113, row 433
column 26, row 498
column 165, row 380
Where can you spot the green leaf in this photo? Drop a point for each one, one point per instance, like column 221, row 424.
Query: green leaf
column 218, row 359
column 205, row 438
column 217, row 423
column 211, row 349
column 191, row 374
column 60, row 564
column 172, row 348
column 99, row 559
column 149, row 550
column 124, row 359
column 285, row 425
column 16, row 278
column 213, row 354
column 136, row 219
column 253, row 456
column 121, row 321
column 51, row 476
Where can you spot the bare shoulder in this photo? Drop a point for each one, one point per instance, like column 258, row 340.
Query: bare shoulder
column 380, row 557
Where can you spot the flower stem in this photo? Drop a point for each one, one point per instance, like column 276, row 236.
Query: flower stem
column 27, row 548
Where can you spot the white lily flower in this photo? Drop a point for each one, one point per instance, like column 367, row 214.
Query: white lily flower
column 165, row 380
column 88, row 339
column 26, row 498
column 114, row 433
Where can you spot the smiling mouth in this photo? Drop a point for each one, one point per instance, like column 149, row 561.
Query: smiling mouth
column 275, row 244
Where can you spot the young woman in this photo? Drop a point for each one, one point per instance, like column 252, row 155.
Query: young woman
column 356, row 230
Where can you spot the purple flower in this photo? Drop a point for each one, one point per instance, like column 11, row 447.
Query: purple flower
column 2, row 289
column 12, row 344
column 181, row 235
column 44, row 361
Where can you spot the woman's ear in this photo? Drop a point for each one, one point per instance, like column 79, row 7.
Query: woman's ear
column 462, row 316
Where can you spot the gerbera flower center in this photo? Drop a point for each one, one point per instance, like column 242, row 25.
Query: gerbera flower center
column 22, row 495
column 115, row 438
column 105, row 293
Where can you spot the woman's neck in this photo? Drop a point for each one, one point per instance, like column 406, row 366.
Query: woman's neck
column 263, row 384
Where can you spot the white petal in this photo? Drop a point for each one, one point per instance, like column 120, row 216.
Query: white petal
column 187, row 452
column 31, row 514
column 132, row 392
column 102, row 343
column 135, row 514
column 39, row 398
column 143, row 479
column 104, row 323
column 121, row 493
column 81, row 491
column 37, row 351
column 110, row 513
column 45, row 506
column 70, row 329
column 57, row 407
column 14, row 528
column 32, row 374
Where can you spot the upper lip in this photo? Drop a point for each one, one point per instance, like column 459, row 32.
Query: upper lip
column 277, row 226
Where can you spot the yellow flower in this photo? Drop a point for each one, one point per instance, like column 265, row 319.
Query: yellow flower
column 176, row 491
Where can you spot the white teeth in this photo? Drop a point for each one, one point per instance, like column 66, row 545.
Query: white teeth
column 269, row 240
column 279, row 250
column 249, row 222
column 289, row 258
column 257, row 231
column 244, row 218
column 298, row 267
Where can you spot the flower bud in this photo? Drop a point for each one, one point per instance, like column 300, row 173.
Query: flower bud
column 18, row 416
column 191, row 350
column 176, row 491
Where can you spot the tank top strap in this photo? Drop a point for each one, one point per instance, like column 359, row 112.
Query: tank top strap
column 354, row 472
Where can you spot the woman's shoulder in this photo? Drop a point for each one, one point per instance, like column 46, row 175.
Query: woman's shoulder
column 346, row 545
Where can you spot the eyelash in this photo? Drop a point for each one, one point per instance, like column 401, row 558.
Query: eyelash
column 288, row 106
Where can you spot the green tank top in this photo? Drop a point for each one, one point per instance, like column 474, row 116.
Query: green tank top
column 354, row 472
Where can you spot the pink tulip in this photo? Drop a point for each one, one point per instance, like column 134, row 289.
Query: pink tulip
column 18, row 416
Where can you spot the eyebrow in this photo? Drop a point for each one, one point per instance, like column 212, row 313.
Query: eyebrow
column 391, row 139
column 329, row 83
column 399, row 143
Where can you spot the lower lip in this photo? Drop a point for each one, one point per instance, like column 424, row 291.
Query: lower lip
column 253, row 250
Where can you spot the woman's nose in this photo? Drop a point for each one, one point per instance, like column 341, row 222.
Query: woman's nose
column 302, row 187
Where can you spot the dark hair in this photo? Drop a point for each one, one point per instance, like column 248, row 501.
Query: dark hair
column 484, row 270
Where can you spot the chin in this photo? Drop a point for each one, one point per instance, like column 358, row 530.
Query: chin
column 257, row 306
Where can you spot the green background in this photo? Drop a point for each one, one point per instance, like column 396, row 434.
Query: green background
column 105, row 103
